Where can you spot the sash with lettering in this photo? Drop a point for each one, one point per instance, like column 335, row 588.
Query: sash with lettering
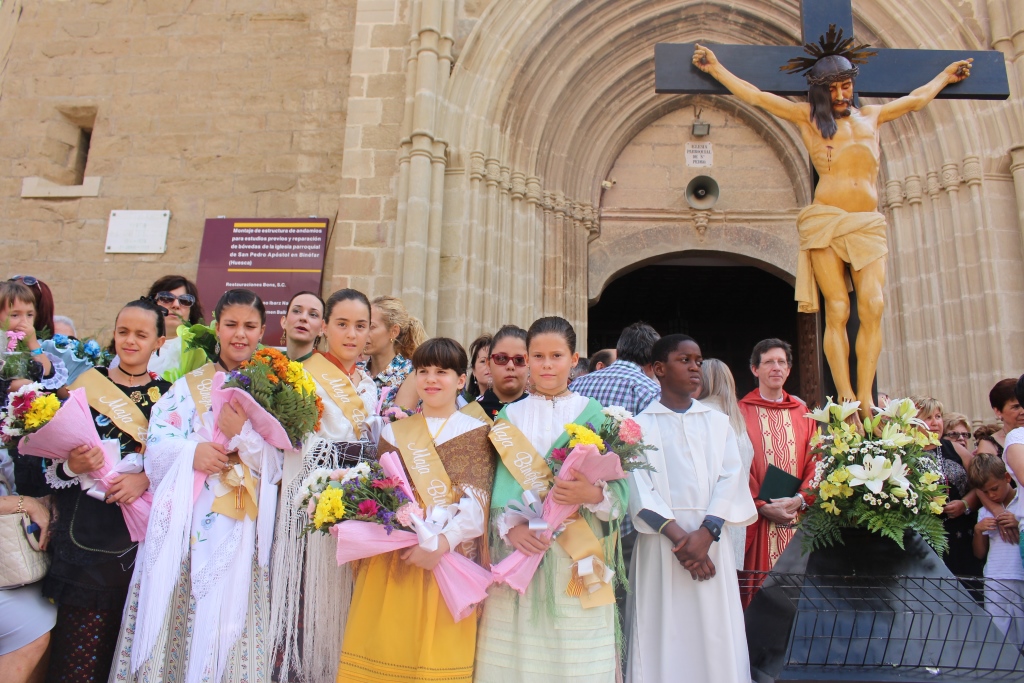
column 416, row 446
column 340, row 388
column 532, row 473
column 106, row 398
column 474, row 409
column 200, row 384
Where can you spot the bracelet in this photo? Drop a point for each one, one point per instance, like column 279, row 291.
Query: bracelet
column 21, row 505
column 37, row 352
column 662, row 527
column 967, row 508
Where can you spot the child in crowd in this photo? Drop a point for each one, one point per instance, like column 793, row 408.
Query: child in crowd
column 1004, row 570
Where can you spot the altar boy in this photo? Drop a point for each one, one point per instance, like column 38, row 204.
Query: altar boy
column 686, row 615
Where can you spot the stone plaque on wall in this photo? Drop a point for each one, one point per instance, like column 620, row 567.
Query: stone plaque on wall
column 137, row 232
column 699, row 154
column 274, row 257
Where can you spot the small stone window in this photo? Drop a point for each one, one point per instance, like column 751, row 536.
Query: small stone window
column 64, row 157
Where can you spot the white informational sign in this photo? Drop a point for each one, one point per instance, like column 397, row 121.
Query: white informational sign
column 699, row 154
column 137, row 232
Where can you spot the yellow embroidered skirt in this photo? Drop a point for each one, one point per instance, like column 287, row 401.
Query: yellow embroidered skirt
column 400, row 630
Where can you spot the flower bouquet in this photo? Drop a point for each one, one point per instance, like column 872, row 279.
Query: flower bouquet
column 278, row 398
column 53, row 430
column 590, row 453
column 198, row 347
column 77, row 355
column 371, row 510
column 28, row 409
column 15, row 356
column 881, row 480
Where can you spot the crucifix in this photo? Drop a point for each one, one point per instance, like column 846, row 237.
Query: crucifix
column 842, row 233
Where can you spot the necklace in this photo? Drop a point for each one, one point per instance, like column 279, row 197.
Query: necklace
column 131, row 376
column 434, row 435
column 549, row 397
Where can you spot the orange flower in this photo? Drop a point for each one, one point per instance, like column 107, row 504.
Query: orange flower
column 273, row 378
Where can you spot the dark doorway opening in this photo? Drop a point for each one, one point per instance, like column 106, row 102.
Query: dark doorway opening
column 726, row 307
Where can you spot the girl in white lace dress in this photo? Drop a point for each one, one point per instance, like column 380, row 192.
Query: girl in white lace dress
column 198, row 607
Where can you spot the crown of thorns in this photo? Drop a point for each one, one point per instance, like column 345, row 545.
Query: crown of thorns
column 832, row 43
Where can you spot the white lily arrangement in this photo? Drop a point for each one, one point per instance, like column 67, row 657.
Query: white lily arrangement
column 879, row 478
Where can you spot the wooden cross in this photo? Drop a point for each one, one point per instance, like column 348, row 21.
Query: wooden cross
column 891, row 73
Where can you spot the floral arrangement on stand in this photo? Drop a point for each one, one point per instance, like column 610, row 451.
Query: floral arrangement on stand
column 27, row 410
column 619, row 434
column 283, row 388
column 878, row 478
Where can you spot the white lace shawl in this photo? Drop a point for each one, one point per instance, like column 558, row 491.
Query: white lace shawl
column 181, row 521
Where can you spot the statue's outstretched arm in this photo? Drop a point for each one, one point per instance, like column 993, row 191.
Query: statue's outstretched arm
column 916, row 101
column 705, row 60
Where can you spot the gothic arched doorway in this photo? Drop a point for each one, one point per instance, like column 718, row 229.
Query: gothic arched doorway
column 725, row 304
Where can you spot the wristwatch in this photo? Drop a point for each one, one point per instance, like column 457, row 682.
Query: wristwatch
column 714, row 529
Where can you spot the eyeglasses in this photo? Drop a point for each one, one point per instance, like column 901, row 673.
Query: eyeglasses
column 26, row 280
column 958, row 436
column 504, row 358
column 168, row 298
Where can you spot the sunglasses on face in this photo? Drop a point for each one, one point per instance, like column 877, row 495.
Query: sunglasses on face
column 504, row 358
column 25, row 280
column 166, row 298
column 958, row 436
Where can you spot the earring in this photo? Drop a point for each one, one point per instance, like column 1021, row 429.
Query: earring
column 216, row 350
column 284, row 337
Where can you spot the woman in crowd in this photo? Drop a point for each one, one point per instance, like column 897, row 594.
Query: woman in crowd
column 394, row 336
column 302, row 325
column 180, row 297
column 718, row 390
column 1013, row 452
column 307, row 578
column 399, row 627
column 961, row 512
column 508, row 369
column 479, row 371
column 93, row 552
column 546, row 634
column 198, row 605
column 1007, row 408
column 26, row 617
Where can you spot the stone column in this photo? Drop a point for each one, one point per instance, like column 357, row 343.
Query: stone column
column 506, row 277
column 493, row 273
column 433, row 274
column 535, row 224
column 520, row 248
column 1017, row 169
column 421, row 172
column 477, row 243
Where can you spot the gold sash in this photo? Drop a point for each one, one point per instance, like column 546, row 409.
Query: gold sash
column 474, row 409
column 200, row 385
column 424, row 465
column 340, row 388
column 578, row 539
column 106, row 398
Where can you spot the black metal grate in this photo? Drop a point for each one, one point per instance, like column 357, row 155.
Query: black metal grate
column 934, row 626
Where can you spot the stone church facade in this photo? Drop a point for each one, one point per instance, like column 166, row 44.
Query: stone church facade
column 493, row 161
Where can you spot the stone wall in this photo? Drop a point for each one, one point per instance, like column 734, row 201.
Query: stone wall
column 206, row 108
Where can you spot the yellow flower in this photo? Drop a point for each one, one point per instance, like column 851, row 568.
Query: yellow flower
column 940, row 500
column 330, row 508
column 829, row 506
column 154, row 394
column 898, row 492
column 935, row 508
column 580, row 435
column 929, row 478
column 42, row 411
column 839, row 476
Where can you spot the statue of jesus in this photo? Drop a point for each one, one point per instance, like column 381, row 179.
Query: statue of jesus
column 843, row 226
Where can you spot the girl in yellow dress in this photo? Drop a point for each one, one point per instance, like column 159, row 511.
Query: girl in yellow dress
column 399, row 628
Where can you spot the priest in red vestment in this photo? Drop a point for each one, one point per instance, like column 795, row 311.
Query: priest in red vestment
column 781, row 434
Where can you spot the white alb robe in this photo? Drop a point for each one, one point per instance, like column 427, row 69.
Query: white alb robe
column 680, row 624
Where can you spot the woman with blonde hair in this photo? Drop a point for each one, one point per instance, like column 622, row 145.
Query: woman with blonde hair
column 394, row 336
column 718, row 390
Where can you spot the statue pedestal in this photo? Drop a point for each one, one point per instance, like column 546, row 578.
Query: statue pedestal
column 868, row 611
